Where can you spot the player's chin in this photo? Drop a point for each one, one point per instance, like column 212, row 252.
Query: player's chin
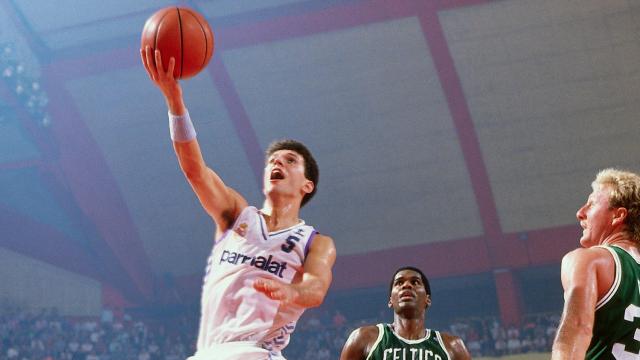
column 278, row 189
column 406, row 303
column 270, row 187
column 586, row 242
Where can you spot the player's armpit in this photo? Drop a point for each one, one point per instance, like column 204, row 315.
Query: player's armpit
column 455, row 347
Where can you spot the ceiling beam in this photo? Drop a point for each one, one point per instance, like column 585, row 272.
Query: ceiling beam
column 24, row 235
column 94, row 188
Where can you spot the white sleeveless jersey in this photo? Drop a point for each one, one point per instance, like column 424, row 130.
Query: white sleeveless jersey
column 232, row 310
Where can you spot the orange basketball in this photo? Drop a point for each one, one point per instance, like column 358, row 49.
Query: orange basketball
column 183, row 34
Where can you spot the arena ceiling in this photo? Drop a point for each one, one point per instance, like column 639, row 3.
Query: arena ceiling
column 459, row 135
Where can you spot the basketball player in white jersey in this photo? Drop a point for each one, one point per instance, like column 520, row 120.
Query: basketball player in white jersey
column 266, row 265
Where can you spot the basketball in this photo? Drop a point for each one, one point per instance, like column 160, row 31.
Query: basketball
column 183, row 34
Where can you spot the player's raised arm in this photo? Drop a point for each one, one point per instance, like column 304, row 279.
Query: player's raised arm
column 222, row 203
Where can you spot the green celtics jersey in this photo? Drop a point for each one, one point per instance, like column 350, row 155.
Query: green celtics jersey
column 390, row 346
column 616, row 329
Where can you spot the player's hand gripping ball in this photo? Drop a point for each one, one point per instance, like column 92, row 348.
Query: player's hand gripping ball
column 183, row 34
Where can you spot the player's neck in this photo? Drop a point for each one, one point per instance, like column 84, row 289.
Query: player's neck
column 280, row 215
column 621, row 239
column 410, row 329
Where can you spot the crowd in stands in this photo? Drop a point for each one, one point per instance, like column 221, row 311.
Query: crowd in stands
column 46, row 335
column 487, row 337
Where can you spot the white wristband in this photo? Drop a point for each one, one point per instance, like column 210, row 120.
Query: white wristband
column 181, row 128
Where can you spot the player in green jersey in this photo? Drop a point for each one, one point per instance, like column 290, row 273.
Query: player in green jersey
column 406, row 338
column 601, row 280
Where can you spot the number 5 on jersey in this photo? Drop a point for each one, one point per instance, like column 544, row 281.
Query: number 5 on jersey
column 290, row 243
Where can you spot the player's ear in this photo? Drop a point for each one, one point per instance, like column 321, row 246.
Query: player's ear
column 389, row 304
column 619, row 215
column 308, row 186
column 427, row 301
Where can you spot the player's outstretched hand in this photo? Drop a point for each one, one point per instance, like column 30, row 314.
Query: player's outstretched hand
column 163, row 79
column 276, row 290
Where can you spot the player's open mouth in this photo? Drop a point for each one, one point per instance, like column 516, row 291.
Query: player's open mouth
column 406, row 295
column 276, row 174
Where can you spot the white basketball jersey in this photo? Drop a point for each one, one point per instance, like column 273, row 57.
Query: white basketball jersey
column 232, row 310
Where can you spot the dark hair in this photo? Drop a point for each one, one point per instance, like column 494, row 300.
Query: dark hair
column 311, row 171
column 425, row 281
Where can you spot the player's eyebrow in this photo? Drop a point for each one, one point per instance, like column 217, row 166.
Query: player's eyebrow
column 412, row 277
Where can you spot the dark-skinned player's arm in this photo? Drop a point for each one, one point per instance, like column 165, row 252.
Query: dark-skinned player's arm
column 579, row 274
column 222, row 203
column 317, row 276
column 455, row 347
column 359, row 343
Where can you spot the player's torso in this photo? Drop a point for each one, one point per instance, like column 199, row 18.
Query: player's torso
column 232, row 310
column 390, row 346
column 617, row 317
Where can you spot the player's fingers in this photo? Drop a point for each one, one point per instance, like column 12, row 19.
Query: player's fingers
column 261, row 285
column 277, row 294
column 151, row 67
column 172, row 65
column 143, row 56
column 159, row 67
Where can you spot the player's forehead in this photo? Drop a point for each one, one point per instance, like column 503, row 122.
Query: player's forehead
column 284, row 152
column 600, row 192
column 407, row 274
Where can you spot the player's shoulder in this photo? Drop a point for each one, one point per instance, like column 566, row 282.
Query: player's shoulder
column 323, row 238
column 455, row 346
column 587, row 255
column 323, row 243
column 446, row 335
column 585, row 266
column 365, row 334
column 360, row 343
column 448, row 338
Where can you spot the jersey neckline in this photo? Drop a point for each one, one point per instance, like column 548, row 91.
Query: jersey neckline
column 263, row 222
column 427, row 334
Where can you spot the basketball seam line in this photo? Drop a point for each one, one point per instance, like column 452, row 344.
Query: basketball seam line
column 155, row 37
column 206, row 42
column 181, row 42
